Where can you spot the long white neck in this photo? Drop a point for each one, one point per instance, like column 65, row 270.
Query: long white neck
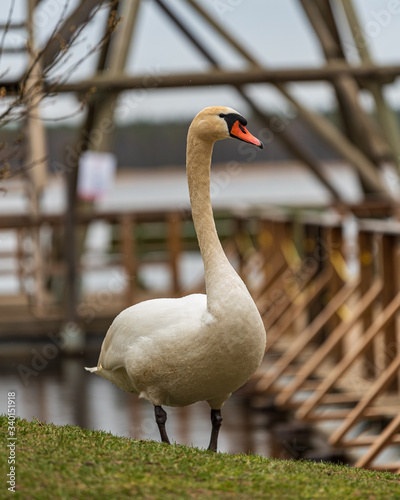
column 218, row 271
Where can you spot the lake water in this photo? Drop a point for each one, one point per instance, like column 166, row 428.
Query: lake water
column 246, row 185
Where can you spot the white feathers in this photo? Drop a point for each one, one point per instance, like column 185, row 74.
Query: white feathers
column 91, row 370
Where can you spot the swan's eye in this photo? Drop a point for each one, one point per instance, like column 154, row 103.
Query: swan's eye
column 221, row 115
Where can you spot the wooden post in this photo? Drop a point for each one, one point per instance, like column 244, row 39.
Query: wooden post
column 36, row 156
column 389, row 268
column 335, row 245
column 239, row 236
column 175, row 249
column 386, row 116
column 37, row 147
column 266, row 238
column 315, row 252
column 19, row 257
column 365, row 257
column 100, row 139
column 127, row 227
column 70, row 248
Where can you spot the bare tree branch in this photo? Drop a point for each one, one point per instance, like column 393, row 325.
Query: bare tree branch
column 54, row 58
column 6, row 28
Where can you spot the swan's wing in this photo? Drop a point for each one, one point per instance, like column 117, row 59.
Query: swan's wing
column 150, row 327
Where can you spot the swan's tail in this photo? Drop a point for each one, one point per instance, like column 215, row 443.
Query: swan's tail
column 95, row 369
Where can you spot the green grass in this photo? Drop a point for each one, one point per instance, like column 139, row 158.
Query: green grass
column 68, row 462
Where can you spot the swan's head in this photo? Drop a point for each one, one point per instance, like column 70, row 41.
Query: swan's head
column 220, row 122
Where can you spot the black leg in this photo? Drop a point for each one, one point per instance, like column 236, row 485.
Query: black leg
column 216, row 420
column 161, row 418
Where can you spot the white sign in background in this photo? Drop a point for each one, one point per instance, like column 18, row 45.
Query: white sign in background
column 96, row 174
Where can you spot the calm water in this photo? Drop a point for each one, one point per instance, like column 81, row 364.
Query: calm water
column 284, row 183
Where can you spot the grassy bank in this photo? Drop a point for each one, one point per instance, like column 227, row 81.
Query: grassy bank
column 68, row 462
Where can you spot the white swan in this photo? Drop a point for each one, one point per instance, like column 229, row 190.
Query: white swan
column 175, row 352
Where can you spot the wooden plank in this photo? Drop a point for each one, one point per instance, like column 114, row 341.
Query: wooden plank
column 315, row 252
column 79, row 16
column 330, row 72
column 297, row 308
column 174, row 243
column 387, row 467
column 365, row 257
column 329, row 45
column 270, row 236
column 32, row 93
column 36, row 156
column 366, row 441
column 118, row 52
column 240, row 239
column 372, row 413
column 335, row 244
column 288, row 292
column 368, row 398
column 380, row 443
column 359, row 347
column 272, row 270
column 306, row 337
column 389, row 266
column 83, row 218
column 13, row 221
column 127, row 228
column 265, row 301
column 326, row 348
column 338, row 398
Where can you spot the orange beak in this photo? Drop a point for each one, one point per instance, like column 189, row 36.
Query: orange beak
column 241, row 132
